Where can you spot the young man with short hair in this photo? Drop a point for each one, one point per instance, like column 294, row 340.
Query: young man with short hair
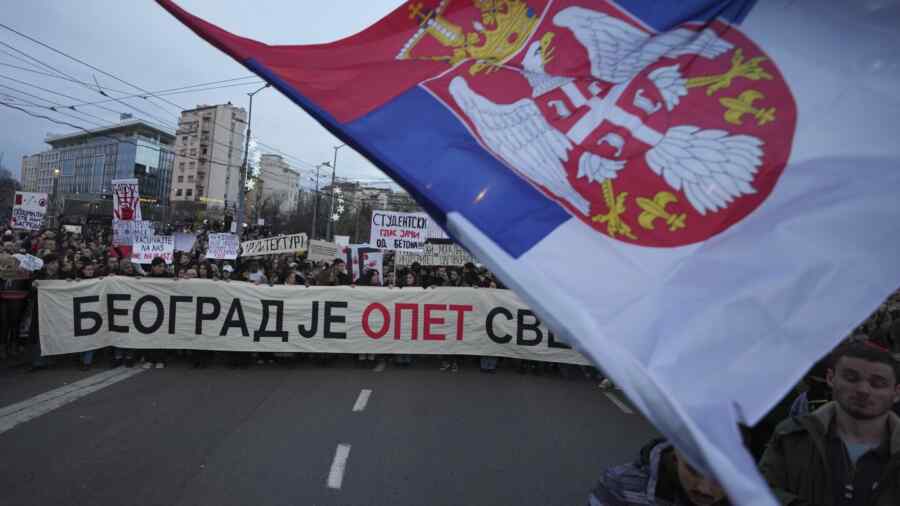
column 661, row 476
column 847, row 453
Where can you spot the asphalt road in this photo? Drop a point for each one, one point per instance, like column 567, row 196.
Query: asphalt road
column 269, row 435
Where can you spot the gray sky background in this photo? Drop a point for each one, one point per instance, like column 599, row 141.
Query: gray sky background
column 140, row 42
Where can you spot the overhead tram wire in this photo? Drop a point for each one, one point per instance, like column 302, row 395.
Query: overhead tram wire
column 123, row 81
column 146, row 92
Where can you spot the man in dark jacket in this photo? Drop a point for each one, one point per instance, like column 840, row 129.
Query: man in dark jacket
column 846, row 453
column 660, row 476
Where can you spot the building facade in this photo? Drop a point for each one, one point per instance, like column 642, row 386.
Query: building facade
column 280, row 183
column 83, row 164
column 31, row 167
column 209, row 152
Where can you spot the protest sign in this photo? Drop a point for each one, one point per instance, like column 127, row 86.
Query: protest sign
column 126, row 200
column 126, row 233
column 158, row 246
column 322, row 251
column 28, row 210
column 353, row 255
column 184, row 241
column 341, row 241
column 372, row 261
column 201, row 314
column 399, row 231
column 73, row 229
column 29, row 263
column 274, row 245
column 443, row 254
column 222, row 247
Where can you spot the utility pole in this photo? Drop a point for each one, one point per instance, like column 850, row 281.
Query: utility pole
column 328, row 235
column 243, row 178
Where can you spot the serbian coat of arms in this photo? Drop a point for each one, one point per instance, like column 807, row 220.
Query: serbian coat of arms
column 652, row 138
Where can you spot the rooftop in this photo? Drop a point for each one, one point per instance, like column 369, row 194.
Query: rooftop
column 125, row 127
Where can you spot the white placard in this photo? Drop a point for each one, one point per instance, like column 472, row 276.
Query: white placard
column 158, row 246
column 222, row 247
column 322, row 251
column 399, row 231
column 274, row 245
column 29, row 210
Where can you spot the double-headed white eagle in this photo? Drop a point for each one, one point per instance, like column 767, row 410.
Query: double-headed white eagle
column 711, row 167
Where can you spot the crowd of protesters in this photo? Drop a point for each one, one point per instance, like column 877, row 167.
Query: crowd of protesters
column 91, row 254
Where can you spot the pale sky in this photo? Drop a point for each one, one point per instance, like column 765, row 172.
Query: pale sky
column 140, row 42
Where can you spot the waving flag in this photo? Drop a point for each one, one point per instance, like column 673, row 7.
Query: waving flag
column 700, row 195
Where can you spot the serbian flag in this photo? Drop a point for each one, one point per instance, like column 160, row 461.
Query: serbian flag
column 701, row 196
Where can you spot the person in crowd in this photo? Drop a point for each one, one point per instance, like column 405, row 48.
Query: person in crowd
column 88, row 271
column 409, row 281
column 227, row 272
column 389, row 279
column 203, row 270
column 848, row 451
column 67, row 268
column 660, row 475
column 157, row 358
column 49, row 271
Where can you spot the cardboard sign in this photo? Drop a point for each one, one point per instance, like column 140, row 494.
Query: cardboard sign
column 322, row 251
column 126, row 200
column 184, row 241
column 437, row 254
column 126, row 233
column 222, row 247
column 399, row 231
column 159, row 246
column 28, row 210
column 73, row 229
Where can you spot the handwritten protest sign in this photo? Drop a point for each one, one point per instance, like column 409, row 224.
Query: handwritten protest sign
column 126, row 233
column 184, row 241
column 399, row 231
column 126, row 200
column 322, row 251
column 222, row 247
column 445, row 254
column 29, row 210
column 158, row 246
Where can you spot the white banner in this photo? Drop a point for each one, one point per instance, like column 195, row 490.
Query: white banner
column 158, row 246
column 445, row 254
column 126, row 200
column 28, row 210
column 202, row 314
column 399, row 231
column 74, row 229
column 274, row 245
column 222, row 247
column 322, row 251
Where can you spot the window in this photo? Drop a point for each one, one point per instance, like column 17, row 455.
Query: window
column 204, row 151
column 193, row 151
column 180, row 179
column 189, row 192
column 191, row 165
column 184, row 138
column 178, row 192
column 181, row 165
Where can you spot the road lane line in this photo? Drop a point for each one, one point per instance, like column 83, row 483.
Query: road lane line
column 381, row 365
column 362, row 400
column 338, row 466
column 29, row 409
column 615, row 400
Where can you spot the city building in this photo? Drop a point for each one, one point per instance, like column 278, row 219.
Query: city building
column 280, row 183
column 31, row 167
column 209, row 152
column 82, row 165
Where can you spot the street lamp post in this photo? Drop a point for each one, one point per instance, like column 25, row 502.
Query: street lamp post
column 55, row 214
column 328, row 235
column 243, row 178
column 315, row 216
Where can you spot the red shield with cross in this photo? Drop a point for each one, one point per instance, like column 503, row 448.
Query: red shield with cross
column 652, row 138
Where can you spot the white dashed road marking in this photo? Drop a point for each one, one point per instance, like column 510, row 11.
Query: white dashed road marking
column 362, row 400
column 338, row 466
column 621, row 405
column 29, row 409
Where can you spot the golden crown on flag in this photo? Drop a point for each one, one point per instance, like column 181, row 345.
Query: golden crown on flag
column 504, row 28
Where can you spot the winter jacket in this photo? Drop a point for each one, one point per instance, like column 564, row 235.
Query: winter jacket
column 798, row 464
column 652, row 479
